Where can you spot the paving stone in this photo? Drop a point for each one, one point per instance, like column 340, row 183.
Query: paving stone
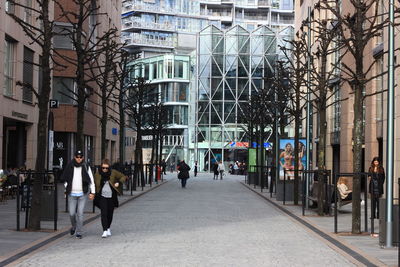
column 209, row 223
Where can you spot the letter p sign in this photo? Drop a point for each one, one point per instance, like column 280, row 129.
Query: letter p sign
column 53, row 103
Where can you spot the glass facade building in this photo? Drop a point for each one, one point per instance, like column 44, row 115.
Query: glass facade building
column 151, row 27
column 226, row 43
column 169, row 76
column 231, row 66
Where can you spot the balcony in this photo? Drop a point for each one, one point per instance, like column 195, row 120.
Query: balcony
column 137, row 39
column 264, row 3
column 129, row 6
column 139, row 24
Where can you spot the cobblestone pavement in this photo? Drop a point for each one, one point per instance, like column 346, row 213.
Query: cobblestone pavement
column 210, row 223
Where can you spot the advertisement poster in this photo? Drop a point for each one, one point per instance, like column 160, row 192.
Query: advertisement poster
column 286, row 157
column 252, row 160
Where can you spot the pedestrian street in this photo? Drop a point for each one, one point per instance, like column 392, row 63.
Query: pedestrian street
column 208, row 223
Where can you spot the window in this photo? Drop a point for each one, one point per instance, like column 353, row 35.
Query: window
column 169, row 68
column 336, row 109
column 160, row 69
column 178, row 69
column 93, row 22
column 379, row 85
column 174, row 92
column 153, row 71
column 146, row 71
column 28, row 12
column 27, row 94
column 64, row 90
column 9, row 65
column 10, row 7
column 61, row 38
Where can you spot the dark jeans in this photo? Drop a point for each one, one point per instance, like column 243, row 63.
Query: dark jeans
column 349, row 196
column 107, row 212
column 183, row 182
column 375, row 207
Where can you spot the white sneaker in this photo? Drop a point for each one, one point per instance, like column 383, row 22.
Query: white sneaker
column 104, row 235
column 108, row 232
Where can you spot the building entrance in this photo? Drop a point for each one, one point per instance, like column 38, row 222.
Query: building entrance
column 14, row 143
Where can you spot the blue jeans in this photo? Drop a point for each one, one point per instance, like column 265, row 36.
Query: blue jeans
column 76, row 206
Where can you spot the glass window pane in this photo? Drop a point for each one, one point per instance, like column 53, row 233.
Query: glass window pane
column 9, row 61
column 64, row 90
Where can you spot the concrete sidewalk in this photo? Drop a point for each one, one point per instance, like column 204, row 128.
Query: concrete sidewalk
column 364, row 244
column 14, row 242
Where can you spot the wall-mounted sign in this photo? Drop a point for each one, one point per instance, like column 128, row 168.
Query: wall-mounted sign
column 19, row 115
column 54, row 103
column 114, row 131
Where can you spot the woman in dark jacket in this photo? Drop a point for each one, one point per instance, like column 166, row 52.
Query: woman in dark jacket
column 183, row 174
column 215, row 170
column 108, row 185
column 377, row 174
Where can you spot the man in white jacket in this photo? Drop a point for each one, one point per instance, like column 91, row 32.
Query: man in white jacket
column 79, row 184
column 221, row 169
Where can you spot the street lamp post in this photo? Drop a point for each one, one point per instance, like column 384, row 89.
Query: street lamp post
column 308, row 134
column 390, row 131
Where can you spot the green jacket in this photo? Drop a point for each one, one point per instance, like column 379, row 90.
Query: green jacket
column 115, row 177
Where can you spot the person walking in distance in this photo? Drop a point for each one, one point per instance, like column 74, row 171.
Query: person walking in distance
column 183, row 174
column 195, row 168
column 163, row 166
column 215, row 170
column 221, row 169
column 377, row 174
column 79, row 184
column 108, row 185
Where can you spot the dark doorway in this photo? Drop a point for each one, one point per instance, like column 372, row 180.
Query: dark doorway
column 14, row 143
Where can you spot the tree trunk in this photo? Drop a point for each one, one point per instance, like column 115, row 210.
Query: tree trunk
column 357, row 159
column 80, row 80
column 121, row 125
column 41, row 147
column 296, row 160
column 104, row 117
column 321, row 158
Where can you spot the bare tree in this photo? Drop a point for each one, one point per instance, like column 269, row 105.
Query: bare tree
column 88, row 46
column 357, row 26
column 122, row 74
column 104, row 72
column 135, row 108
column 293, row 71
column 323, row 76
column 40, row 32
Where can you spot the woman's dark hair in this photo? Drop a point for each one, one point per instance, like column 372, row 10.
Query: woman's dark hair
column 380, row 168
column 106, row 162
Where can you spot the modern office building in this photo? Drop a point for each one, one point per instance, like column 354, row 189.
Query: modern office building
column 168, row 76
column 156, row 27
column 151, row 27
column 231, row 66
